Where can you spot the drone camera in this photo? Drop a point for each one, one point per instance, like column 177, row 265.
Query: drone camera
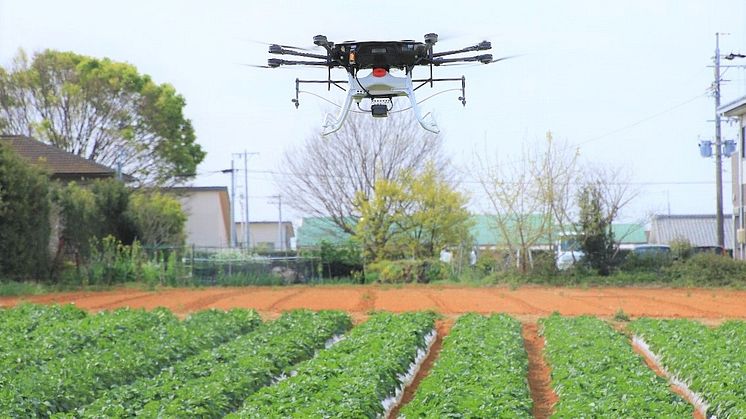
column 379, row 110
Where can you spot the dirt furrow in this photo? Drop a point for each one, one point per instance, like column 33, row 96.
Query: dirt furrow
column 443, row 327
column 539, row 373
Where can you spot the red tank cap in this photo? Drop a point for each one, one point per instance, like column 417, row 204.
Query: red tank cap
column 379, row 72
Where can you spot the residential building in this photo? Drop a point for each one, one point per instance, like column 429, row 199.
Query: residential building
column 60, row 164
column 737, row 232
column 208, row 214
column 698, row 230
column 269, row 235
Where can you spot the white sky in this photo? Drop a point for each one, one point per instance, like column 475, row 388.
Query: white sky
column 625, row 81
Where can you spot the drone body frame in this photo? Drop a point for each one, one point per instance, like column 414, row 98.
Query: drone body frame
column 380, row 86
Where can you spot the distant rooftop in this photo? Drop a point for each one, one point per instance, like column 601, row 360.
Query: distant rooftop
column 59, row 163
column 698, row 229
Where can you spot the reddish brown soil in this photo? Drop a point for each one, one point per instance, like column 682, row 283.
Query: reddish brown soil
column 526, row 303
column 443, row 327
column 539, row 373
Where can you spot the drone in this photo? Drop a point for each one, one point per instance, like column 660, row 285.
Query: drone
column 380, row 86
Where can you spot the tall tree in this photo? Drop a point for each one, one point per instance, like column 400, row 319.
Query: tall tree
column 596, row 237
column 101, row 110
column 331, row 176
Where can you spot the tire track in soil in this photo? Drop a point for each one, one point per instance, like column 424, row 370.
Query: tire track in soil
column 439, row 303
column 688, row 309
column 202, row 303
column 539, row 373
column 111, row 304
column 275, row 305
column 443, row 327
column 530, row 309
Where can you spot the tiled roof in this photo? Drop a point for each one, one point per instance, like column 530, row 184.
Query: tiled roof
column 699, row 230
column 58, row 162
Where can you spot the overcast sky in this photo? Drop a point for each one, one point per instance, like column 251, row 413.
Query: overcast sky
column 626, row 82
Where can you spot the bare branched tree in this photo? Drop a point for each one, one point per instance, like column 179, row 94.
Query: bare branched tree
column 326, row 176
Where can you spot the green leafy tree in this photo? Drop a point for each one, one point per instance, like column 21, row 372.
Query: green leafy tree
column 102, row 110
column 158, row 219
column 415, row 216
column 80, row 220
column 112, row 199
column 596, row 236
column 24, row 218
column 434, row 214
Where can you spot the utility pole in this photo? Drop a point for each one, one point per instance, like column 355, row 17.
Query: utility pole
column 718, row 150
column 280, row 235
column 232, row 204
column 246, row 229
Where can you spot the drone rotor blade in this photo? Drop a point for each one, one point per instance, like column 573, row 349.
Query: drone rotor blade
column 309, row 48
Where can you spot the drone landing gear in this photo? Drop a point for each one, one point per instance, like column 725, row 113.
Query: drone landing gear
column 381, row 89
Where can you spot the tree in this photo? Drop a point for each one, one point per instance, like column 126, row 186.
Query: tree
column 331, row 177
column 101, row 110
column 24, row 218
column 596, row 237
column 415, row 216
column 158, row 218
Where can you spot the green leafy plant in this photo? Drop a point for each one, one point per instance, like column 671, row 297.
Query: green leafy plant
column 710, row 360
column 351, row 378
column 481, row 372
column 595, row 373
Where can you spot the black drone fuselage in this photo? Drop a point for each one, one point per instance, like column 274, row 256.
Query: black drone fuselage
column 379, row 54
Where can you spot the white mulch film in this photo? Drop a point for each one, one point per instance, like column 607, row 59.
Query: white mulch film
column 700, row 404
column 328, row 344
column 392, row 401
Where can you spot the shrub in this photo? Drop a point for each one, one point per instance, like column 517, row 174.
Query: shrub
column 708, row 269
column 158, row 219
column 408, row 271
column 24, row 218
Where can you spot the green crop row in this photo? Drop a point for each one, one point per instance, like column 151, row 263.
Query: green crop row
column 216, row 381
column 23, row 320
column 481, row 372
column 49, row 342
column 72, row 380
column 352, row 378
column 712, row 362
column 596, row 373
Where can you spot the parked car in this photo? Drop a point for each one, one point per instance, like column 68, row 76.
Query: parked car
column 651, row 249
column 568, row 258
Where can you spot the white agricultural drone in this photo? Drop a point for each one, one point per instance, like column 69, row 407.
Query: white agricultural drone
column 380, row 86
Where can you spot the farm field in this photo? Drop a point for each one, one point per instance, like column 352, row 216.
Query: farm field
column 261, row 352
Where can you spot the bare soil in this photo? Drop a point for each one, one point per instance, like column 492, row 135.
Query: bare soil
column 526, row 303
column 539, row 373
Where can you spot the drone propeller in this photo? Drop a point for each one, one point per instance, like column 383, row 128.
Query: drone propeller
column 271, row 44
column 474, row 63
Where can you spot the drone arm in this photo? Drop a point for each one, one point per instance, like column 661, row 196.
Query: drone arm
column 283, row 51
column 484, row 58
column 485, row 45
column 276, row 62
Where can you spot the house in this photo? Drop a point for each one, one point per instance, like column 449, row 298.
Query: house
column 208, row 214
column 60, row 164
column 698, row 230
column 737, row 232
column 269, row 235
